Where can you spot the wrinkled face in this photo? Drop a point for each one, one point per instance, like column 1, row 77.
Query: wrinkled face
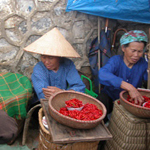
column 133, row 53
column 50, row 62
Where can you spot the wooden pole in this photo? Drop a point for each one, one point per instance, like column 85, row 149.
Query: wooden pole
column 99, row 60
column 106, row 25
column 148, row 46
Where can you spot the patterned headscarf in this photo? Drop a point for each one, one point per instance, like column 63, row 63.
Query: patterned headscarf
column 133, row 36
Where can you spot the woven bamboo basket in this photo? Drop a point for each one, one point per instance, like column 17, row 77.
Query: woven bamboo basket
column 128, row 131
column 58, row 100
column 136, row 110
column 46, row 143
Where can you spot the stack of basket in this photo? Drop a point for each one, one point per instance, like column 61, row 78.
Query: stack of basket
column 128, row 131
column 46, row 143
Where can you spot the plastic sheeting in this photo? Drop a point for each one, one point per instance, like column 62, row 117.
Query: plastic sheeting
column 128, row 10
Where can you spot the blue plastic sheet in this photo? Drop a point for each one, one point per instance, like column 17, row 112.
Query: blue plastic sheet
column 128, row 10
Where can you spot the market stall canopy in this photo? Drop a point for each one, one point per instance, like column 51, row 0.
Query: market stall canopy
column 128, row 10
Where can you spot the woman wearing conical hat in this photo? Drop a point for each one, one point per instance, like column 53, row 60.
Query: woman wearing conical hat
column 54, row 72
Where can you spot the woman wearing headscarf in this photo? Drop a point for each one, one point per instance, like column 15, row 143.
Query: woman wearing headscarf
column 55, row 72
column 125, row 72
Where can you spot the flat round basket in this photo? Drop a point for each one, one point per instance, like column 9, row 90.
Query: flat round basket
column 58, row 100
column 136, row 110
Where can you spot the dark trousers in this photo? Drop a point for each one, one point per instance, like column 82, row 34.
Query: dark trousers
column 108, row 102
column 8, row 128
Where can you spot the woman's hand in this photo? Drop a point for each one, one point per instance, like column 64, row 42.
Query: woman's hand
column 136, row 96
column 50, row 90
column 133, row 92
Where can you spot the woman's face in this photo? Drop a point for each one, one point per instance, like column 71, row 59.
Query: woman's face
column 50, row 62
column 133, row 53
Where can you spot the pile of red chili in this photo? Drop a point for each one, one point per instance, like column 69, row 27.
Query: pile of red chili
column 89, row 111
column 75, row 103
column 146, row 99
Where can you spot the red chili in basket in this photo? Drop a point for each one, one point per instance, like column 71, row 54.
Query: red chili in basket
column 146, row 99
column 89, row 111
column 75, row 103
column 147, row 104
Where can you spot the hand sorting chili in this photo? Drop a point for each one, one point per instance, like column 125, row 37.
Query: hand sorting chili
column 89, row 111
column 146, row 99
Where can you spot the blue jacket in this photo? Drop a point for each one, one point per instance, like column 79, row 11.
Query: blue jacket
column 66, row 77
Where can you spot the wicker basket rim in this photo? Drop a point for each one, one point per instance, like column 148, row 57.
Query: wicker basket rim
column 137, row 106
column 76, row 120
column 40, row 121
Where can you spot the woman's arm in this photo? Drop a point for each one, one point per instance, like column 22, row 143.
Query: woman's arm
column 39, row 80
column 107, row 73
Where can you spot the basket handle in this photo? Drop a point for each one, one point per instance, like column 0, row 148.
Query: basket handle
column 82, row 76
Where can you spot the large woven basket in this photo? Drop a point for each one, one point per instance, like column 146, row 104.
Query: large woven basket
column 136, row 110
column 129, row 132
column 46, row 143
column 58, row 100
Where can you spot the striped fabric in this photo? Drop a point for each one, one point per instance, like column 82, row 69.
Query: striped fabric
column 15, row 91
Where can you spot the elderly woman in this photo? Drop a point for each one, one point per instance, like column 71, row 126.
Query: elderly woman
column 54, row 72
column 125, row 72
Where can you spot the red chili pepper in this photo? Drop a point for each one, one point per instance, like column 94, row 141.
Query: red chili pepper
column 147, row 104
column 118, row 102
column 0, row 106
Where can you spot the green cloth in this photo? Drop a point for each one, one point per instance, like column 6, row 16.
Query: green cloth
column 15, row 91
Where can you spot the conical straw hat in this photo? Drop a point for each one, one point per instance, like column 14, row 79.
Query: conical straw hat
column 52, row 43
